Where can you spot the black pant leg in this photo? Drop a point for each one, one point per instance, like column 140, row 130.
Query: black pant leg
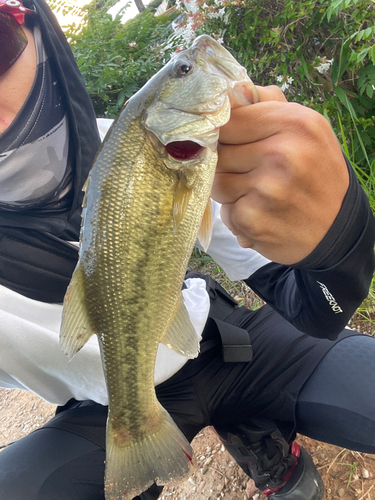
column 52, row 464
column 337, row 403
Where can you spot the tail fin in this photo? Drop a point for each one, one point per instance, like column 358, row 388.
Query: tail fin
column 162, row 457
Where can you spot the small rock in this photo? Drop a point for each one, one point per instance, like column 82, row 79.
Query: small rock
column 204, row 470
column 341, row 492
column 207, row 461
column 365, row 474
column 251, row 489
column 192, row 480
column 222, row 448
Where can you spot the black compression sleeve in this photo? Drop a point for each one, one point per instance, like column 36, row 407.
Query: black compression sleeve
column 319, row 294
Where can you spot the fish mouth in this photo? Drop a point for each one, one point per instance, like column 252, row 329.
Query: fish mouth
column 183, row 150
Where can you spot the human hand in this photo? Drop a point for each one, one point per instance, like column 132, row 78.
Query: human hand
column 281, row 177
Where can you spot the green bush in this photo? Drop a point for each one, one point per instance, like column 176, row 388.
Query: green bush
column 116, row 59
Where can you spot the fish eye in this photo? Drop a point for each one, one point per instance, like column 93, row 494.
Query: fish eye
column 182, row 68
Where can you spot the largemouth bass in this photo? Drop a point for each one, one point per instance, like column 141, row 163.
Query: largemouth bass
column 147, row 199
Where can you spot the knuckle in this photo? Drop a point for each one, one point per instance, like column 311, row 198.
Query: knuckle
column 308, row 122
column 277, row 92
column 246, row 218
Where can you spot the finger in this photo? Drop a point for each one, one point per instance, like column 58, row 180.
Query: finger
column 242, row 94
column 228, row 188
column 270, row 93
column 229, row 219
column 241, row 158
column 253, row 123
column 264, row 119
column 266, row 188
column 245, row 92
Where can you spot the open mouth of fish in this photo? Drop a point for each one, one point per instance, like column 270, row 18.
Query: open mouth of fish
column 183, row 150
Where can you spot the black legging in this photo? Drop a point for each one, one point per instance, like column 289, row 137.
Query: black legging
column 337, row 403
column 331, row 401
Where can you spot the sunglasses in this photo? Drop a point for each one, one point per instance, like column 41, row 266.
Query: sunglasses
column 13, row 40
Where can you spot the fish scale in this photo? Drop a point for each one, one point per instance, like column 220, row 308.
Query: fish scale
column 147, row 199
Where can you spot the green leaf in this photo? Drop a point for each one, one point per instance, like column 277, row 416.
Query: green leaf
column 344, row 99
column 304, row 65
column 120, row 98
column 329, row 13
column 372, row 53
column 369, row 91
column 368, row 32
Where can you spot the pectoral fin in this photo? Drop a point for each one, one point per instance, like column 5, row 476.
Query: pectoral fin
column 205, row 231
column 85, row 189
column 76, row 327
column 180, row 202
column 181, row 336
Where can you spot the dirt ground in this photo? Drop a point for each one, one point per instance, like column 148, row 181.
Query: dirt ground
column 346, row 474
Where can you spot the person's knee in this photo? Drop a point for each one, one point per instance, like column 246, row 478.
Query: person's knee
column 335, row 404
